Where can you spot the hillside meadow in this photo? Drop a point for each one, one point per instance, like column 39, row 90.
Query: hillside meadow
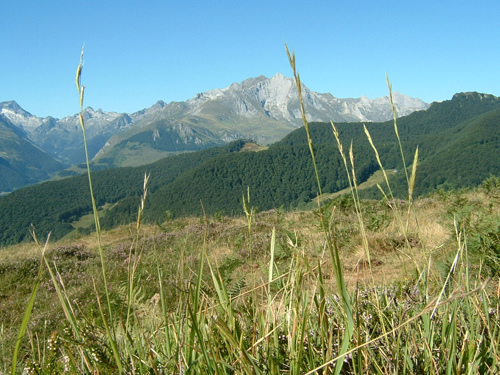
column 352, row 286
column 263, row 289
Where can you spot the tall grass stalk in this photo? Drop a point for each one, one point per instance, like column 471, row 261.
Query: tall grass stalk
column 389, row 197
column 298, row 84
column 330, row 240
column 250, row 217
column 133, row 261
column 31, row 302
column 396, row 130
column 351, row 178
column 410, row 179
column 109, row 327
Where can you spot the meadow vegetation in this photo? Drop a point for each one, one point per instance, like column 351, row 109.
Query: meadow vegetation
column 353, row 286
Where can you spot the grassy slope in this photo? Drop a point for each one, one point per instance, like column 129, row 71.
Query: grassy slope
column 376, row 178
column 242, row 260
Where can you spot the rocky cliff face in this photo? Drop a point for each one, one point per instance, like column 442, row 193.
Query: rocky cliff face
column 277, row 98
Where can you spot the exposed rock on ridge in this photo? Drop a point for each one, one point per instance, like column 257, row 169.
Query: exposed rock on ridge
column 264, row 109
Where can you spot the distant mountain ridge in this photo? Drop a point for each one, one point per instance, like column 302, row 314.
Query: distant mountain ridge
column 263, row 109
column 19, row 117
column 21, row 161
column 458, row 142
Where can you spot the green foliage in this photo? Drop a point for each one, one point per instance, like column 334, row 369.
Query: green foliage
column 52, row 205
column 482, row 224
column 280, row 176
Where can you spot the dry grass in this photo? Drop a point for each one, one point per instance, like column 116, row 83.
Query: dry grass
column 299, row 244
column 250, row 146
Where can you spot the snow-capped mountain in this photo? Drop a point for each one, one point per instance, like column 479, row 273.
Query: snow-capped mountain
column 264, row 109
column 21, row 162
column 19, row 117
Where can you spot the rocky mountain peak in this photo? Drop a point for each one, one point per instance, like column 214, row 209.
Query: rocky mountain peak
column 251, row 82
column 18, row 116
column 12, row 105
column 260, row 108
column 160, row 104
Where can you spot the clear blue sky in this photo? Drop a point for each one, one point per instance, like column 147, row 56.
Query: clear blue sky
column 139, row 52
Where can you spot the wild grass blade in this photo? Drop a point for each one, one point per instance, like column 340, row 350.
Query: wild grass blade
column 330, row 240
column 413, row 176
column 377, row 156
column 29, row 306
column 271, row 267
column 298, row 84
column 396, row 130
column 108, row 327
column 359, row 213
column 133, row 262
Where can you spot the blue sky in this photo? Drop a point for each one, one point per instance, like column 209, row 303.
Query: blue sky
column 139, row 52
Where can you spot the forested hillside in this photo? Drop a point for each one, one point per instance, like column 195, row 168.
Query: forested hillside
column 460, row 157
column 52, row 206
column 280, row 176
column 458, row 143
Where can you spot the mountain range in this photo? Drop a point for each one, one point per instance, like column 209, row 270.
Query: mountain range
column 458, row 144
column 262, row 109
column 21, row 161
